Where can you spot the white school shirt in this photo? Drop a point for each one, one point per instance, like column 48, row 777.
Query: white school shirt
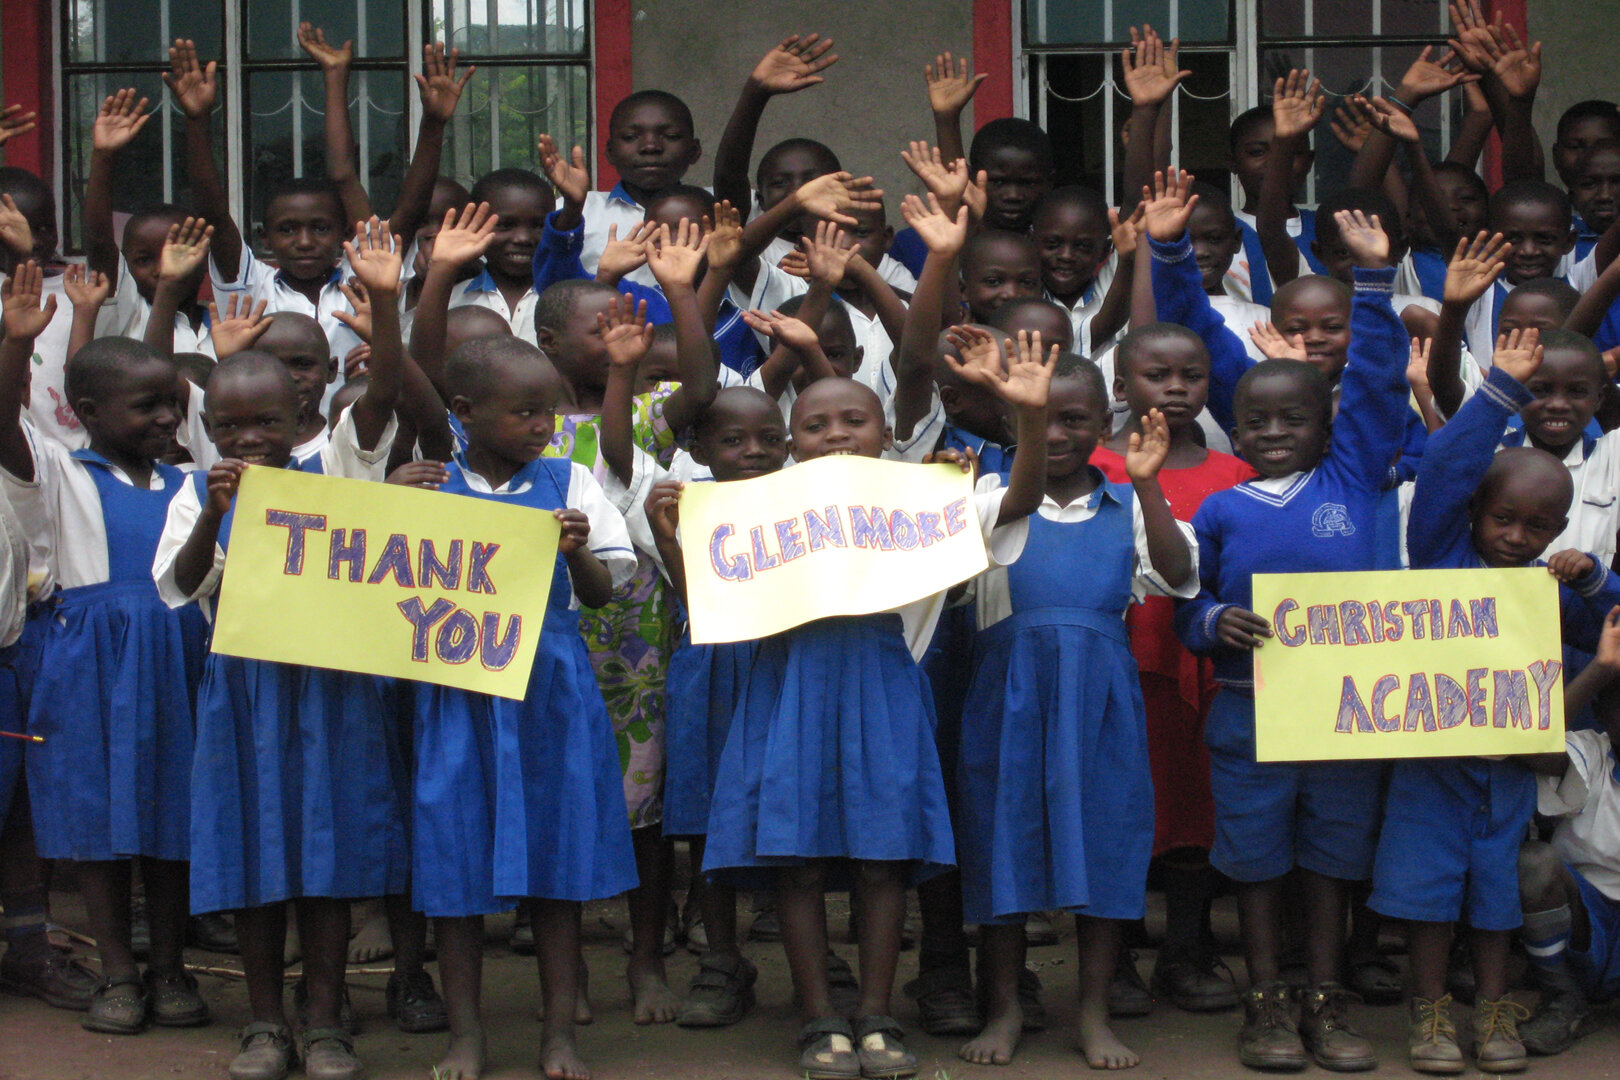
column 889, row 269
column 1594, row 515
column 608, row 539
column 482, row 291
column 1085, row 309
column 1479, row 330
column 14, row 577
column 631, row 500
column 127, row 313
column 343, row 457
column 48, row 406
column 993, row 592
column 61, row 516
column 1587, row 800
column 603, row 210
column 261, row 281
column 193, row 433
column 1237, row 279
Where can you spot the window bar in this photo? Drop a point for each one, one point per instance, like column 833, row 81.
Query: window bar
column 235, row 166
column 414, row 39
column 1375, row 87
column 58, row 150
column 363, row 127
column 1023, row 64
column 166, row 128
column 1175, row 98
column 1310, row 64
column 1449, row 99
column 492, row 13
column 296, row 107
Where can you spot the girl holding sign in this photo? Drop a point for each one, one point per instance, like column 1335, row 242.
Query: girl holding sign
column 832, row 745
column 1055, row 696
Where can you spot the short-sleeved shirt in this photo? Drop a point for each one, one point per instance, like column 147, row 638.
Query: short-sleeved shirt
column 482, row 291
column 1587, row 799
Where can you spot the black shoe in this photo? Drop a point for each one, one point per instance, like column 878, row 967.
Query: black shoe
column 118, row 1008
column 53, row 977
column 175, row 1000
column 1195, row 983
column 414, row 1003
column 214, row 932
column 1128, row 995
column 1557, row 1023
column 945, row 1002
column 721, row 993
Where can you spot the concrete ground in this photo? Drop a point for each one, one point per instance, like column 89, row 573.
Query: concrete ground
column 39, row 1043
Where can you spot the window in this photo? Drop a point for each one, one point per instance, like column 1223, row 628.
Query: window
column 534, row 76
column 1069, row 63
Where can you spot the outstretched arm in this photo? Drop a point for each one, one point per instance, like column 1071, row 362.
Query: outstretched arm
column 1472, row 270
column 1151, row 78
column 121, row 117
column 184, row 250
column 628, row 336
column 1145, row 455
column 1296, row 105
column 914, row 360
column 440, row 90
column 24, row 320
column 195, row 88
column 375, row 257
column 675, row 260
column 341, row 167
column 466, row 235
column 793, row 65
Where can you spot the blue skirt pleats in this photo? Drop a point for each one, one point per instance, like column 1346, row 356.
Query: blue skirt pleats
column 299, row 786
column 831, row 754
column 704, row 684
column 113, row 675
column 1056, row 800
column 519, row 798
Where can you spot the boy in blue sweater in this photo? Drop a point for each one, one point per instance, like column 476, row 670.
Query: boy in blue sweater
column 1317, row 505
column 1453, row 826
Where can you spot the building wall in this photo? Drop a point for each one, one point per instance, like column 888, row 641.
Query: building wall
column 872, row 103
column 1580, row 42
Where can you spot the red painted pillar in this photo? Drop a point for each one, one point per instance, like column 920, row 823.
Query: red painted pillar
column 614, row 75
column 25, row 62
column 992, row 56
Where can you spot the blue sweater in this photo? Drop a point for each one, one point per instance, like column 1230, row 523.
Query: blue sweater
column 1334, row 517
column 1440, row 531
column 1179, row 297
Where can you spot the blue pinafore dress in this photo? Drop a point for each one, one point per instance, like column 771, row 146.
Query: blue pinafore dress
column 831, row 754
column 703, row 686
column 520, row 798
column 1056, row 800
column 299, row 783
column 112, row 676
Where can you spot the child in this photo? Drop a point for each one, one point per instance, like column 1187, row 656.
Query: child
column 1036, row 316
column 1581, row 127
column 1217, row 240
column 998, row 266
column 299, row 342
column 1166, row 368
column 849, row 687
column 1535, row 219
column 522, row 799
column 1316, row 506
column 795, row 64
column 1452, row 826
column 651, row 142
column 1073, row 236
column 251, row 850
column 518, row 201
column 1254, row 148
column 30, row 205
column 116, row 670
column 1595, row 195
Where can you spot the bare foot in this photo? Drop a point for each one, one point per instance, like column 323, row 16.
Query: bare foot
column 582, row 1001
column 999, row 1039
column 464, row 1060
column 373, row 942
column 1101, row 1048
column 559, row 1060
column 655, row 1002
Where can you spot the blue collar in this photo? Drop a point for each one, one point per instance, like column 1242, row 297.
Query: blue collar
column 1103, row 490
column 482, row 283
column 618, row 194
column 335, row 279
column 1516, row 437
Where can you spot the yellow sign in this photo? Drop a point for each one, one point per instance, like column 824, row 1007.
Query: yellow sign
column 1409, row 663
column 835, row 536
column 385, row 580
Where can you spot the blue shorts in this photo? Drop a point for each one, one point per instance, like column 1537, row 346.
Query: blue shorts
column 1273, row 816
column 1597, row 967
column 1450, row 843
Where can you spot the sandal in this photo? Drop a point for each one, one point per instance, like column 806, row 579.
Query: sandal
column 827, row 1050
column 175, row 1000
column 328, row 1054
column 118, row 1007
column 882, row 1055
column 1377, row 979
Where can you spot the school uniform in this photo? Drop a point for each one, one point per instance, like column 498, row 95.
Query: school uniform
column 1479, row 328
column 14, row 581
column 298, row 782
column 896, row 273
column 128, row 313
column 523, row 798
column 111, row 672
column 1452, row 826
column 1586, row 800
column 603, row 211
column 774, row 287
column 1085, row 308
column 1270, row 817
column 481, row 291
column 1248, row 278
column 48, row 406
column 1056, row 794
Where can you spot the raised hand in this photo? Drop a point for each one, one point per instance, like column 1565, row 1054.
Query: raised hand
column 359, row 298
column 796, row 334
column 833, row 196
column 1417, row 363
column 1426, row 78
column 947, row 180
column 1271, row 342
column 664, row 509
column 619, row 257
column 312, row 39
column 1475, row 266
column 23, row 316
column 675, row 258
column 438, row 86
column 1296, row 104
column 1570, row 565
column 1389, row 118
column 240, row 327
column 1126, row 232
column 1029, row 371
column 465, row 235
column 1151, row 75
column 626, row 331
column 943, row 234
column 725, row 236
column 374, row 257
column 1146, row 450
column 15, row 232
column 184, row 249
column 977, row 346
column 357, row 361
column 1352, row 123
column 951, row 84
column 119, row 120
column 85, row 288
column 1473, row 31
column 194, row 86
column 223, row 480
column 1166, row 206
column 794, row 64
column 1519, row 353
column 1608, row 650
column 15, row 122
column 827, row 254
column 569, row 176
column 1365, row 237
column 1516, row 65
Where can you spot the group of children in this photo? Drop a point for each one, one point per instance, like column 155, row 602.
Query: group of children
column 1412, row 375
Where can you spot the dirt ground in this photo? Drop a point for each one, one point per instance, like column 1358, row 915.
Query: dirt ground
column 39, row 1043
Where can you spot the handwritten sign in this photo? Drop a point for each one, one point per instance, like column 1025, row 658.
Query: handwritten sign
column 835, row 536
column 1413, row 663
column 385, row 580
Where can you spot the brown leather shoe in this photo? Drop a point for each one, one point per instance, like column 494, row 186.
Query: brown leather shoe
column 1270, row 1037
column 1431, row 1044
column 1497, row 1047
column 1325, row 1029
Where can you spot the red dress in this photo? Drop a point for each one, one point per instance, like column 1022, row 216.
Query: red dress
column 1177, row 686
